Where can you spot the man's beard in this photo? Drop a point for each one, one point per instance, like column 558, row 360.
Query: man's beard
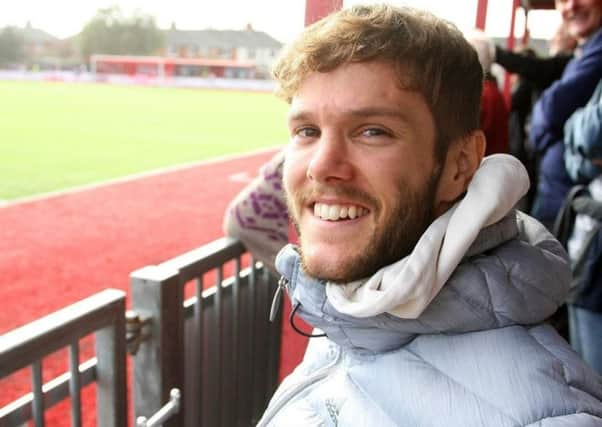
column 393, row 238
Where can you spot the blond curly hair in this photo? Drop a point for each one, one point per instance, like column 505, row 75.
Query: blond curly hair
column 430, row 56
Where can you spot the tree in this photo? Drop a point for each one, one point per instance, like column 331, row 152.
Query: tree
column 11, row 46
column 111, row 32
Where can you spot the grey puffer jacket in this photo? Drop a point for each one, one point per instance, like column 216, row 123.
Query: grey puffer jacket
column 479, row 354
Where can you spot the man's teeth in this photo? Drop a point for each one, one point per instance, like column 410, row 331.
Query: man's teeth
column 336, row 212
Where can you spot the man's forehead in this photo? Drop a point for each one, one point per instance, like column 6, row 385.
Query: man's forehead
column 404, row 107
column 359, row 90
column 383, row 75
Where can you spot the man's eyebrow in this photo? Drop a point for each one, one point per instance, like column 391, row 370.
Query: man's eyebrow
column 302, row 115
column 299, row 115
column 376, row 111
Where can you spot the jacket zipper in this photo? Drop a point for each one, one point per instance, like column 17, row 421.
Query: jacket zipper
column 282, row 282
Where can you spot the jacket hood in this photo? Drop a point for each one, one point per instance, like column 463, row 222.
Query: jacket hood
column 406, row 287
column 510, row 270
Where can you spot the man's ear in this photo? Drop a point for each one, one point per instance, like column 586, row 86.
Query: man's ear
column 463, row 158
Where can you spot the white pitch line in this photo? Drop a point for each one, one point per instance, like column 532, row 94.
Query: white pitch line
column 133, row 177
column 243, row 177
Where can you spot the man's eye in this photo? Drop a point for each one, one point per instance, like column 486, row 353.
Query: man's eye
column 374, row 132
column 307, row 132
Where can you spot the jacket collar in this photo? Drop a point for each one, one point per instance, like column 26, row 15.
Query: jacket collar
column 447, row 311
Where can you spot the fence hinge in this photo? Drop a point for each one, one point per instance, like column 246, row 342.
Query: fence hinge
column 134, row 330
column 170, row 408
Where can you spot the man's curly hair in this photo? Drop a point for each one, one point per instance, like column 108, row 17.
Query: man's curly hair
column 430, row 56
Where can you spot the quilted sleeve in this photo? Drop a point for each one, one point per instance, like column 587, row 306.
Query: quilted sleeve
column 583, row 140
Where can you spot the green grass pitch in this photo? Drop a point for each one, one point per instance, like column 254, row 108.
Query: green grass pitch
column 57, row 135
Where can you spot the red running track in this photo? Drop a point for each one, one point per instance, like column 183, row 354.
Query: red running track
column 59, row 249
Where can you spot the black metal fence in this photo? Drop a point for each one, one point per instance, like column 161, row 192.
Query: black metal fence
column 101, row 314
column 216, row 351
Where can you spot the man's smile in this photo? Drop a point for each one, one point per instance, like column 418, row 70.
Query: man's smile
column 337, row 212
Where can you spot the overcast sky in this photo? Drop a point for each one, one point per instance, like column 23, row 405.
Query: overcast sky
column 282, row 19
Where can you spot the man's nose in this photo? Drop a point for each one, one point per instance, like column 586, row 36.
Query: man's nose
column 330, row 161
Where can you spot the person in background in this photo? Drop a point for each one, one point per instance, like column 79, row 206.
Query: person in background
column 494, row 111
column 580, row 228
column 583, row 20
column 533, row 74
column 523, row 96
column 541, row 72
column 583, row 141
column 428, row 292
column 537, row 74
column 258, row 215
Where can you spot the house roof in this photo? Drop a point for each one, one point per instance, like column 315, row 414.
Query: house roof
column 224, row 39
column 157, row 60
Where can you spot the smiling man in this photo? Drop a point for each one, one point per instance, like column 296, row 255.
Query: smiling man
column 360, row 173
column 427, row 291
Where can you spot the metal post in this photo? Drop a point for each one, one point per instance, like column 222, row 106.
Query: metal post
column 219, row 338
column 481, row 17
column 111, row 398
column 157, row 295
column 317, row 9
column 198, row 349
column 75, row 385
column 38, row 396
column 236, row 336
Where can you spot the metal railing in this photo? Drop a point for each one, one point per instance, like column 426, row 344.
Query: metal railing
column 218, row 347
column 210, row 360
column 102, row 314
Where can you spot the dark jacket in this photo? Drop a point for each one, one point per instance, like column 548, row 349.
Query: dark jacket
column 550, row 113
column 535, row 74
column 541, row 72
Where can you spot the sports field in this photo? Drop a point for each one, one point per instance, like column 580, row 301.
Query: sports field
column 56, row 135
column 57, row 249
